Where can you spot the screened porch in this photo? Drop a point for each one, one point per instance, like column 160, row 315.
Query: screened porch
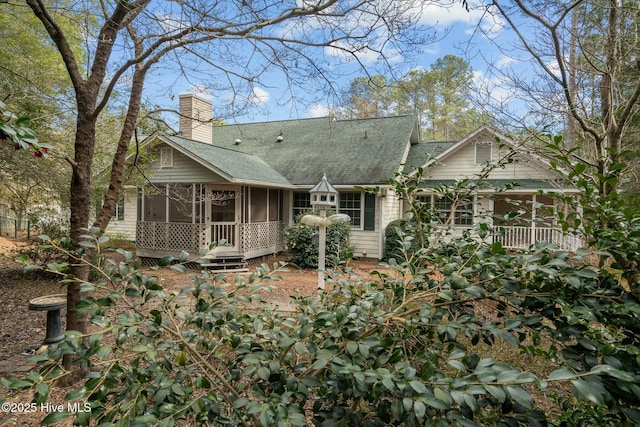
column 241, row 220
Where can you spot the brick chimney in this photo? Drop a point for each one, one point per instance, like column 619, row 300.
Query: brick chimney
column 195, row 117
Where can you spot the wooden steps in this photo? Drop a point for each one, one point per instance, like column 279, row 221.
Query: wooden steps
column 227, row 262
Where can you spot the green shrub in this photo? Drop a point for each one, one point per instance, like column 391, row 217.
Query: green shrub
column 298, row 239
column 49, row 222
column 400, row 239
column 415, row 347
column 401, row 350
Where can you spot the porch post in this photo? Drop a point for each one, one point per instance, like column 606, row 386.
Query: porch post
column 193, row 203
column 533, row 218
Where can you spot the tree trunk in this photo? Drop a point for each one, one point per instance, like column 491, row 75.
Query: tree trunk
column 80, row 189
column 570, row 134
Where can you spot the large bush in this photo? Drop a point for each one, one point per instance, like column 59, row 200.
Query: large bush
column 303, row 251
column 460, row 333
column 416, row 347
column 400, row 239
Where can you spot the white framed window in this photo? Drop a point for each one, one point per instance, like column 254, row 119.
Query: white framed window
column 166, row 157
column 301, row 203
column 462, row 215
column 118, row 213
column 351, row 204
column 483, row 152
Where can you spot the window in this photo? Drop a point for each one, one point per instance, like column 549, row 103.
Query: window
column 184, row 202
column 275, row 205
column 301, row 203
column 463, row 214
column 155, row 206
column 166, row 157
column 118, row 214
column 351, row 204
column 483, row 152
column 259, row 205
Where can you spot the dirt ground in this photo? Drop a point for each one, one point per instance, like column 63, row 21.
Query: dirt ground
column 23, row 329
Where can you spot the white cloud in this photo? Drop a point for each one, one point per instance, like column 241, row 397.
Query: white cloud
column 442, row 15
column 504, row 62
column 364, row 54
column 200, row 90
column 318, row 111
column 260, row 96
column 495, row 89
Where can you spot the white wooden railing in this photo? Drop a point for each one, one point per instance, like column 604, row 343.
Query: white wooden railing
column 519, row 237
column 224, row 231
column 170, row 237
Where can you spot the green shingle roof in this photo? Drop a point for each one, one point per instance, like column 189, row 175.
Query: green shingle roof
column 420, row 153
column 520, row 184
column 349, row 152
column 235, row 164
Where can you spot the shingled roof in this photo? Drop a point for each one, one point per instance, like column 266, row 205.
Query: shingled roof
column 299, row 152
column 421, row 153
column 232, row 164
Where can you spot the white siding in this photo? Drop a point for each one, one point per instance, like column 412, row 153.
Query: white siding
column 461, row 163
column 370, row 244
column 125, row 228
column 391, row 208
column 366, row 243
column 184, row 170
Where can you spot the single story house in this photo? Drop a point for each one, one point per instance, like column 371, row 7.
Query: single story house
column 243, row 183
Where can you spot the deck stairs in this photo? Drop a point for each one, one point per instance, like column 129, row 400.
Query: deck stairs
column 224, row 260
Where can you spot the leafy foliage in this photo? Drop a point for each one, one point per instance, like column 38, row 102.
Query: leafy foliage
column 16, row 131
column 606, row 213
column 439, row 96
column 299, row 243
column 415, row 346
column 399, row 239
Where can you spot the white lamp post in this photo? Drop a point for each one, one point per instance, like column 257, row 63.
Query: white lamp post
column 323, row 197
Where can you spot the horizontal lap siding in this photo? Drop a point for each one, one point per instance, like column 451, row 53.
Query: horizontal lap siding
column 184, row 170
column 370, row 244
column 462, row 164
column 125, row 228
column 365, row 242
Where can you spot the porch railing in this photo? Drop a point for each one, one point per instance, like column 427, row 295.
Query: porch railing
column 224, row 231
column 519, row 237
column 170, row 236
column 261, row 235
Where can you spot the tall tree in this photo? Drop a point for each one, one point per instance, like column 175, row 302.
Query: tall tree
column 586, row 53
column 439, row 96
column 237, row 41
column 369, row 97
column 34, row 84
column 453, row 79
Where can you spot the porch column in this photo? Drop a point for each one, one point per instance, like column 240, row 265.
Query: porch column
column 534, row 208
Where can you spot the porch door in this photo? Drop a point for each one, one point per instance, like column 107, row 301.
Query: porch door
column 223, row 216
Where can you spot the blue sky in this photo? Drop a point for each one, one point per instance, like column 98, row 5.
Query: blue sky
column 459, row 35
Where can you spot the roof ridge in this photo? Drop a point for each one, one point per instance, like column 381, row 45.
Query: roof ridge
column 331, row 119
column 210, row 144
